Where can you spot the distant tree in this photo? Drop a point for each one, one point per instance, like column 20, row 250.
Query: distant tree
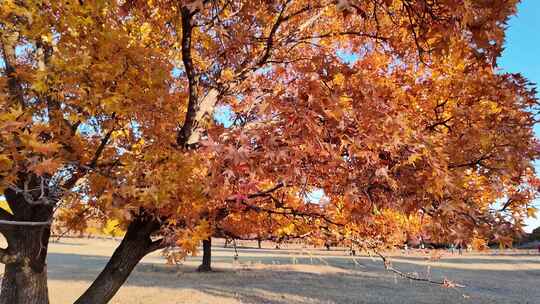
column 534, row 235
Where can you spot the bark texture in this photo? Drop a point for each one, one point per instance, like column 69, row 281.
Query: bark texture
column 25, row 274
column 135, row 245
column 207, row 256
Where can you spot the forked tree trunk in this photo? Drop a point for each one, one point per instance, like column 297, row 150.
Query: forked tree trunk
column 207, row 256
column 135, row 245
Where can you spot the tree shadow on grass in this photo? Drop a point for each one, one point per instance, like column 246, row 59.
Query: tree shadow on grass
column 275, row 279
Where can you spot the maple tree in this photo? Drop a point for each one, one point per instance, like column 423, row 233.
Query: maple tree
column 394, row 109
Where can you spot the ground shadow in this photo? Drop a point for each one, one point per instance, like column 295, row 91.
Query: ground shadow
column 295, row 279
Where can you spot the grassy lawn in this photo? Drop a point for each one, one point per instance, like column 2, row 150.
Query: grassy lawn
column 296, row 275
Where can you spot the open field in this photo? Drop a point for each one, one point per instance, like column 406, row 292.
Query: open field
column 297, row 276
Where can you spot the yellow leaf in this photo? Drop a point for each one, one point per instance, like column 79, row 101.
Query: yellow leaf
column 112, row 228
column 146, row 28
column 39, row 86
column 46, row 38
column 12, row 115
column 5, row 163
column 531, row 212
column 227, row 75
column 39, row 147
column 4, row 205
column 413, row 158
column 339, row 79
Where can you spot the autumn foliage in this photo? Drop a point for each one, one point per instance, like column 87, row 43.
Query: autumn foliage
column 180, row 120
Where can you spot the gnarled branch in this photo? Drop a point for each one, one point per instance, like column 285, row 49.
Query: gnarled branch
column 198, row 108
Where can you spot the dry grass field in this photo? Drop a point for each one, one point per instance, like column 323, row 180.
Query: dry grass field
column 298, row 276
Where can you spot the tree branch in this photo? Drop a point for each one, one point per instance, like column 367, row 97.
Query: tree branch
column 286, row 210
column 197, row 110
column 506, row 204
column 388, row 266
column 270, row 40
column 343, row 33
column 93, row 163
column 156, row 245
column 9, row 40
column 100, row 148
column 477, row 162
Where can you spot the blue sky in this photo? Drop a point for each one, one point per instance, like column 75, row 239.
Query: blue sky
column 521, row 53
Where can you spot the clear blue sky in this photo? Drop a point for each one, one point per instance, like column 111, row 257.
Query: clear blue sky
column 521, row 55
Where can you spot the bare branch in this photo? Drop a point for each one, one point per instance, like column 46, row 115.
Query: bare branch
column 506, row 204
column 388, row 266
column 477, row 162
column 100, row 149
column 270, row 40
column 44, row 195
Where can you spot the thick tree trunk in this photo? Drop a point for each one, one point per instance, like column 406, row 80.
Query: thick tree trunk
column 135, row 245
column 207, row 256
column 23, row 285
column 25, row 275
column 25, row 280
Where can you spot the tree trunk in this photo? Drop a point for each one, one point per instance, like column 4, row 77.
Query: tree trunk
column 134, row 246
column 25, row 275
column 25, row 280
column 207, row 256
column 259, row 243
column 24, row 285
